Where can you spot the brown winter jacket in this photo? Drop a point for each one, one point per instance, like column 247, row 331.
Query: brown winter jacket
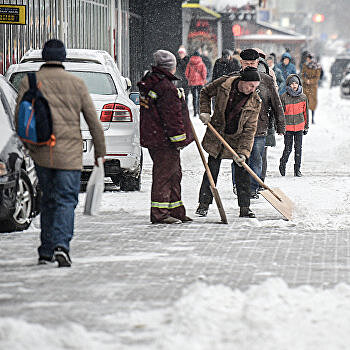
column 271, row 105
column 241, row 141
column 67, row 96
column 310, row 77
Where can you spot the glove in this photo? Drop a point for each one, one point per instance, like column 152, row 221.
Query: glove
column 305, row 131
column 241, row 159
column 205, row 118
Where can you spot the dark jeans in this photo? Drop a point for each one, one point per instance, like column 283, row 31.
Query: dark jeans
column 60, row 191
column 255, row 161
column 289, row 137
column 264, row 165
column 242, row 181
column 195, row 91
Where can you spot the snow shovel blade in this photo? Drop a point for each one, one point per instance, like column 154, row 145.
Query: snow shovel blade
column 218, row 202
column 283, row 205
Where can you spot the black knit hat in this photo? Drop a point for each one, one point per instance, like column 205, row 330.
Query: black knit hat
column 249, row 55
column 250, row 74
column 54, row 50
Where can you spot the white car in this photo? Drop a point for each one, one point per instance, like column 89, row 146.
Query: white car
column 118, row 114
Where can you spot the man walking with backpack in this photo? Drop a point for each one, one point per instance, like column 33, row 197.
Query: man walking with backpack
column 59, row 167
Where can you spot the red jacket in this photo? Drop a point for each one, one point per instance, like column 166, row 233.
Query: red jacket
column 164, row 117
column 196, row 72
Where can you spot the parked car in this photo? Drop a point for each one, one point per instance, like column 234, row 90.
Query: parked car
column 19, row 190
column 337, row 69
column 114, row 104
column 345, row 87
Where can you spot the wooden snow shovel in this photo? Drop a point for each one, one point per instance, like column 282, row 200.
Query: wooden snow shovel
column 213, row 189
column 275, row 197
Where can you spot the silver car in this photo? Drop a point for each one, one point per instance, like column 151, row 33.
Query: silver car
column 19, row 190
column 118, row 114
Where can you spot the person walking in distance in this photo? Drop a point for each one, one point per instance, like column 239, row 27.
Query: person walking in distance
column 287, row 68
column 225, row 65
column 165, row 128
column 196, row 74
column 181, row 65
column 310, row 76
column 295, row 105
column 235, row 118
column 59, row 171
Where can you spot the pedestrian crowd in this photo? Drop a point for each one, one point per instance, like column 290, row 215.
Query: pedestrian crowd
column 246, row 96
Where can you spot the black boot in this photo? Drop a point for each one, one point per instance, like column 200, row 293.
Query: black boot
column 245, row 212
column 282, row 168
column 202, row 209
column 297, row 171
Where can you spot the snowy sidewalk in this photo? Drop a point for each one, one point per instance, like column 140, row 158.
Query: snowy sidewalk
column 260, row 283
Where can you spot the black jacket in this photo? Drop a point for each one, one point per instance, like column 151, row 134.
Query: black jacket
column 224, row 67
column 181, row 65
column 271, row 107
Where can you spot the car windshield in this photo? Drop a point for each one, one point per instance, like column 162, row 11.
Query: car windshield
column 96, row 82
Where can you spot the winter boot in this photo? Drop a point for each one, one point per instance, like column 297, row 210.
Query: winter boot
column 169, row 220
column 297, row 171
column 245, row 212
column 282, row 168
column 62, row 257
column 186, row 219
column 202, row 209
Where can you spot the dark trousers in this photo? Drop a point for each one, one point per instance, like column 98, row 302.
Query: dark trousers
column 242, row 183
column 255, row 162
column 289, row 138
column 186, row 91
column 60, row 191
column 264, row 164
column 166, row 185
column 195, row 91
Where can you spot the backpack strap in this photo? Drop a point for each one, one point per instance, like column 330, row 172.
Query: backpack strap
column 32, row 81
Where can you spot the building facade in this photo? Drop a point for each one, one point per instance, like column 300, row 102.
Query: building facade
column 91, row 24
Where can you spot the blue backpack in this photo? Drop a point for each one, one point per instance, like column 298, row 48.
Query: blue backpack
column 34, row 124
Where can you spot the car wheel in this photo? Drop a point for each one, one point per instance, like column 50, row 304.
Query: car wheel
column 130, row 183
column 22, row 215
column 115, row 179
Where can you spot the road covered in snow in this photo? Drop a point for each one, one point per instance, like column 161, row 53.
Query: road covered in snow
column 262, row 283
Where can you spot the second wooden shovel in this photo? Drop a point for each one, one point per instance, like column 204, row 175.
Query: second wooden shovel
column 275, row 197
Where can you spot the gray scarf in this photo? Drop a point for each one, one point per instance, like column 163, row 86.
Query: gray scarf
column 291, row 92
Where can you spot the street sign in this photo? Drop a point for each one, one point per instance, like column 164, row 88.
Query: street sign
column 12, row 14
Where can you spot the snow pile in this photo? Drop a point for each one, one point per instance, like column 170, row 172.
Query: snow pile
column 267, row 316
column 20, row 335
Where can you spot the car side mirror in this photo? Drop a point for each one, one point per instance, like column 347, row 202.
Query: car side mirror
column 128, row 84
column 135, row 97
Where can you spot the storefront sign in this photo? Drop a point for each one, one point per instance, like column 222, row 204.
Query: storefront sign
column 12, row 14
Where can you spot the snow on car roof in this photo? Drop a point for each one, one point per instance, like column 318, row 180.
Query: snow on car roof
column 97, row 56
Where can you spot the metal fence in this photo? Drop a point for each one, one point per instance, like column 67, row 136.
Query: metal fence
column 91, row 24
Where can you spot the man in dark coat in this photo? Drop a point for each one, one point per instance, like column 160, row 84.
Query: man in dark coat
column 225, row 65
column 271, row 105
column 181, row 64
column 235, row 117
column 165, row 128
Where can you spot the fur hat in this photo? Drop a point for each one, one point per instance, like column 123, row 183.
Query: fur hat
column 164, row 59
column 250, row 74
column 249, row 55
column 54, row 50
